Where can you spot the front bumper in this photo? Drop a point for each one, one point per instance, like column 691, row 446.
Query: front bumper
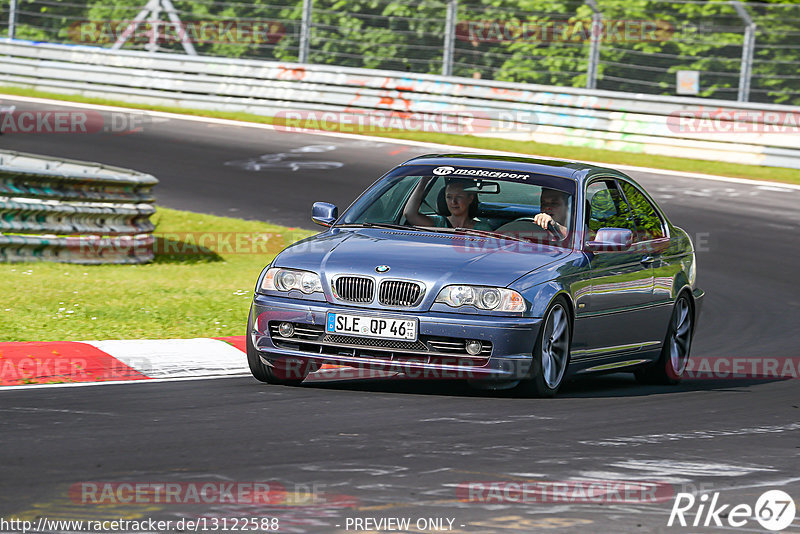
column 511, row 338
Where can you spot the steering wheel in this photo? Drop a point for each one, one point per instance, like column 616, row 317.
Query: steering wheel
column 551, row 228
column 524, row 228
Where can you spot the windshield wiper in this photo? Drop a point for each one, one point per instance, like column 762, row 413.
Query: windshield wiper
column 481, row 233
column 460, row 230
column 390, row 226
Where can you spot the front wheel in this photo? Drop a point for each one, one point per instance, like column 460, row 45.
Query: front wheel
column 265, row 373
column 671, row 365
column 550, row 354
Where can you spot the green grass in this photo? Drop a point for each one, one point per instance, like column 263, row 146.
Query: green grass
column 772, row 174
column 179, row 295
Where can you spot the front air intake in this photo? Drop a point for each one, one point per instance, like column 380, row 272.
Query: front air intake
column 356, row 289
column 399, row 293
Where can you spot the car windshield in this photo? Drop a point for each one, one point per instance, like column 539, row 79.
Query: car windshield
column 486, row 201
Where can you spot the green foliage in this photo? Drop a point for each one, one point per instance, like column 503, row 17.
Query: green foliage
column 648, row 224
column 644, row 43
column 384, row 34
column 609, row 211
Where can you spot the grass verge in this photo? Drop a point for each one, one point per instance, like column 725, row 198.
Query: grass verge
column 188, row 291
column 771, row 174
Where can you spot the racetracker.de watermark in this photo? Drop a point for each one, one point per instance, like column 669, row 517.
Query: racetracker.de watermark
column 567, row 491
column 71, row 121
column 186, row 243
column 732, row 121
column 442, row 121
column 259, row 493
column 207, row 492
column 448, row 368
column 564, row 30
column 199, row 32
column 742, row 368
column 61, row 369
column 538, row 240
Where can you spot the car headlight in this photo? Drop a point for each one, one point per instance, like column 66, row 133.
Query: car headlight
column 279, row 279
column 483, row 298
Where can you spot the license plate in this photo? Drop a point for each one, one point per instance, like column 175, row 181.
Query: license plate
column 368, row 326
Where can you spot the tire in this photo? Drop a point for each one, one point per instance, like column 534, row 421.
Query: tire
column 550, row 353
column 671, row 364
column 264, row 373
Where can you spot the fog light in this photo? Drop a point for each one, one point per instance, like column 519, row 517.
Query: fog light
column 474, row 347
column 286, row 329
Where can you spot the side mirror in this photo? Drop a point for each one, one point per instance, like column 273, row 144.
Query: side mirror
column 610, row 240
column 324, row 213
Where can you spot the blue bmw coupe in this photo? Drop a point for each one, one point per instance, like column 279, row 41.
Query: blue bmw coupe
column 507, row 272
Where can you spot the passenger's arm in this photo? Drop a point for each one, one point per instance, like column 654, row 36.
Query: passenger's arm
column 411, row 210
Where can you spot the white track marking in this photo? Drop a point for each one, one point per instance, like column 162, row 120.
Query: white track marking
column 29, row 409
column 435, row 146
column 176, row 358
column 634, row 477
column 373, row 470
column 696, row 469
column 117, row 383
column 780, row 189
column 653, row 439
column 764, row 483
column 696, row 193
column 480, row 421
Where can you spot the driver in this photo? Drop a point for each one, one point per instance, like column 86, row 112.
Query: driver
column 458, row 203
column 554, row 208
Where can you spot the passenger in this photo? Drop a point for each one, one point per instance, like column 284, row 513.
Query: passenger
column 554, row 208
column 456, row 209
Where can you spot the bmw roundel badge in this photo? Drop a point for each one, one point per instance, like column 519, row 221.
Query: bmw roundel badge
column 382, row 269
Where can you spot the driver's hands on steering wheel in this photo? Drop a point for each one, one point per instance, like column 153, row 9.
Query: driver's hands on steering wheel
column 548, row 223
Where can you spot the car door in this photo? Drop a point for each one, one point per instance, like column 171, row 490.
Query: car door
column 652, row 240
column 621, row 282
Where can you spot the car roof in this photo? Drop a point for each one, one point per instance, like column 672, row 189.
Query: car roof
column 552, row 167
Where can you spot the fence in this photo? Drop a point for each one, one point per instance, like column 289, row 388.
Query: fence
column 764, row 134
column 73, row 212
column 746, row 51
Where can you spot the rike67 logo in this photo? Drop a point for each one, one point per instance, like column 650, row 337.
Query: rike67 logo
column 774, row 510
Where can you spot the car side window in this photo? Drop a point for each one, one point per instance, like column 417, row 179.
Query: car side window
column 648, row 224
column 607, row 208
column 388, row 208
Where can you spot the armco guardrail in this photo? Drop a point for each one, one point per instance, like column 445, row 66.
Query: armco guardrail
column 73, row 212
column 754, row 134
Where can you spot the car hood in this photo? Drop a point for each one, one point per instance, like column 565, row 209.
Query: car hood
column 437, row 259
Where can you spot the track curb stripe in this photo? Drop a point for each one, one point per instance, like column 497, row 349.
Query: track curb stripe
column 60, row 362
column 176, row 358
column 66, row 362
column 72, row 362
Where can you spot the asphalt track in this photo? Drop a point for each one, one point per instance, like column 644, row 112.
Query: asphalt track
column 403, row 449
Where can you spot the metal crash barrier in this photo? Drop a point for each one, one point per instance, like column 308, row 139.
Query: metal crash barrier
column 717, row 130
column 73, row 211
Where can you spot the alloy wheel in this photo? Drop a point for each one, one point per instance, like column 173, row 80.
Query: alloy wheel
column 680, row 336
column 555, row 346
